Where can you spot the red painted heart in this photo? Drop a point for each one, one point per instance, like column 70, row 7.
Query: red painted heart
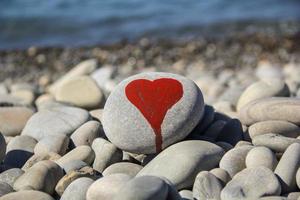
column 154, row 99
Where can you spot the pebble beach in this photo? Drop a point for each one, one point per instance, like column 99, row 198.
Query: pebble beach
column 197, row 119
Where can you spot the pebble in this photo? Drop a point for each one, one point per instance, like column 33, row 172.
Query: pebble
column 26, row 95
column 37, row 158
column 200, row 155
column 71, row 176
column 232, row 132
column 86, row 133
column 52, row 121
column 5, row 189
column 293, row 195
column 77, row 189
column 207, row 119
column 19, row 150
column 283, row 128
column 234, row 160
column 207, row 186
column 11, row 175
column 263, row 89
column 8, row 100
column 27, row 194
column 214, row 129
column 3, row 89
column 2, row 147
column 13, row 119
column 97, row 114
column 287, row 168
column 83, row 153
column 226, row 146
column 42, row 176
column 103, row 75
column 83, row 68
column 143, row 188
column 131, row 126
column 251, row 183
column 266, row 70
column 261, row 156
column 186, row 195
column 106, row 154
column 275, row 142
column 80, row 91
column 221, row 174
column 131, row 169
column 74, row 165
column 47, row 144
column 274, row 108
column 107, row 187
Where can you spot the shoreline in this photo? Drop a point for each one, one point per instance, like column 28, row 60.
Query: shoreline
column 235, row 52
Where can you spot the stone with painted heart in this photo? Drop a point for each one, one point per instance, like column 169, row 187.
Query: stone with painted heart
column 150, row 111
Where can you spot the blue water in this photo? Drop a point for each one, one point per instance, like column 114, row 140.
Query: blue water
column 25, row 23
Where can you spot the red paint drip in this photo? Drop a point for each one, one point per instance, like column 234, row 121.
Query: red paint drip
column 154, row 99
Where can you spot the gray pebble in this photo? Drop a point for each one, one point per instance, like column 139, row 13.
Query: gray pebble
column 77, row 189
column 221, row 174
column 11, row 175
column 57, row 144
column 261, row 156
column 128, row 168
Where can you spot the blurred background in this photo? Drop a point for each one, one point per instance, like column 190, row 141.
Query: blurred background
column 42, row 40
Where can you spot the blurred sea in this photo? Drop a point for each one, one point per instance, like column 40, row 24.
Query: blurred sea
column 24, row 23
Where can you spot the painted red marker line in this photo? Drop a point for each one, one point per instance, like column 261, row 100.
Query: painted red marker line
column 154, row 99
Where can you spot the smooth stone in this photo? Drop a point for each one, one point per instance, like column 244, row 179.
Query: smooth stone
column 11, row 175
column 81, row 91
column 44, row 98
column 287, row 168
column 234, row 160
column 128, row 168
column 74, row 165
column 283, row 128
column 27, row 194
column 86, row 133
column 27, row 96
column 65, row 181
column 37, row 158
column 251, row 183
column 57, row 120
column 143, row 188
column 83, row 153
column 13, row 119
column 207, row 119
column 232, row 94
column 103, row 75
column 283, row 108
column 106, row 154
column 126, row 127
column 107, row 187
column 2, row 147
column 19, row 150
column 199, row 155
column 207, row 186
column 261, row 156
column 214, row 129
column 221, row 174
column 97, row 114
column 293, row 196
column 57, row 144
column 277, row 143
column 83, row 68
column 243, row 143
column 5, row 189
column 186, row 195
column 77, row 189
column 42, row 176
column 263, row 89
column 232, row 132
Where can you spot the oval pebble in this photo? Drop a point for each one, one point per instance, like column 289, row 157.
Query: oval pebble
column 150, row 111
column 199, row 155
column 128, row 168
column 77, row 189
column 261, row 156
column 47, row 144
column 251, row 183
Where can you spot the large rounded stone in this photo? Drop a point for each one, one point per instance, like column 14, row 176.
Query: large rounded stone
column 11, row 175
column 56, row 144
column 81, row 91
column 274, row 108
column 261, row 156
column 27, row 194
column 106, row 154
column 263, row 89
column 77, row 189
column 55, row 120
column 234, row 160
column 251, row 183
column 13, row 119
column 5, row 189
column 2, row 147
column 275, row 142
column 207, row 186
column 42, row 176
column 287, row 168
column 143, row 188
column 128, row 168
column 181, row 162
column 283, row 128
column 86, row 133
column 83, row 153
column 150, row 111
column 107, row 187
